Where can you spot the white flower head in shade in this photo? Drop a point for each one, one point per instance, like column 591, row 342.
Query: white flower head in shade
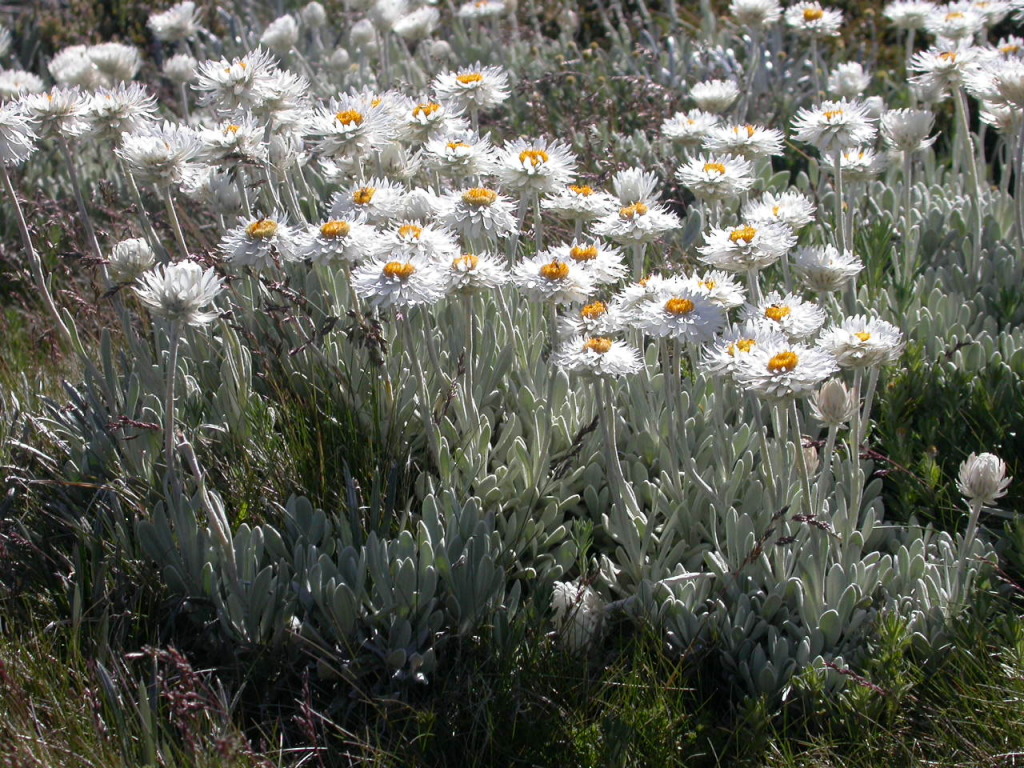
column 535, row 167
column 72, row 66
column 115, row 62
column 983, row 479
column 479, row 213
column 848, row 80
column 723, row 354
column 782, row 370
column 472, row 88
column 340, row 241
column 578, row 613
column 863, row 342
column 796, row 318
column 161, row 154
column 418, row 24
column 237, row 84
column 14, row 82
column 689, row 128
column 546, row 277
column 678, row 311
column 909, row 14
column 715, row 96
column 263, row 242
column 409, row 240
column 122, row 109
column 720, row 287
column 957, row 23
column 755, row 14
column 746, row 247
column 281, row 34
column 833, row 404
column 393, row 283
column 599, row 260
column 811, row 19
column 179, row 22
column 906, row 130
column 230, row 144
column 17, row 136
column 998, row 82
column 129, row 259
column 598, row 356
column 178, row 292
column 598, row 318
column 58, row 112
column 579, row 202
column 217, row 190
column 938, row 70
column 834, row 125
column 637, row 223
column 425, row 120
column 716, row 177
column 823, row 269
column 860, row 163
column 474, row 272
column 181, row 68
column 748, row 140
column 1011, row 47
column 460, row 155
column 1003, row 119
column 378, row 201
column 477, row 10
column 791, row 207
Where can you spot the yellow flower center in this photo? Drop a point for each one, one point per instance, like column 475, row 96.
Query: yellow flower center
column 465, row 263
column 630, row 211
column 334, row 229
column 813, row 14
column 582, row 191
column 349, row 117
column 746, row 234
column 832, row 114
column 743, row 345
column 751, row 130
column 479, row 196
column 534, row 157
column 718, row 168
column 376, row 102
column 784, row 362
column 707, row 284
column 777, row 312
column 425, row 110
column 775, row 210
column 233, row 129
column 363, row 195
column 948, row 56
column 1009, row 50
column 407, row 231
column 583, row 252
column 555, row 270
column 264, row 229
column 469, row 79
column 457, row 145
column 594, row 311
column 679, row 306
column 400, row 270
column 599, row 345
column 954, row 16
column 863, row 335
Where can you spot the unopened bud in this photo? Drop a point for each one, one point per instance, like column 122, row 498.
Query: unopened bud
column 833, row 404
column 983, row 478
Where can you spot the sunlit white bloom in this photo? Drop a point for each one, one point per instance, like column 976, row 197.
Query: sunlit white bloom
column 377, row 201
column 418, row 24
column 481, row 9
column 1003, row 119
column 59, row 112
column 715, row 96
column 236, row 142
column 263, row 242
column 472, row 88
column 427, row 120
column 180, row 68
column 719, row 286
column 17, row 136
column 721, row 357
column 72, row 66
column 350, row 126
column 960, row 23
column 579, row 202
column 598, row 356
column 410, row 240
column 122, row 109
column 909, row 14
column 940, row 70
column 14, row 82
column 834, row 125
column 746, row 247
column 115, row 62
column 237, row 84
column 906, row 130
column 823, row 269
column 716, row 177
column 535, row 167
column 603, row 263
column 689, row 128
column 1011, row 47
column 544, row 277
column 479, row 213
column 788, row 313
column 595, row 319
column 749, row 141
column 281, row 34
column 999, row 82
column 678, row 311
column 777, row 371
column 391, row 283
column 755, row 14
column 863, row 342
column 811, row 19
column 637, row 223
column 848, row 80
column 860, row 163
column 791, row 207
column 982, row 479
column 179, row 22
column 129, row 259
column 992, row 11
column 476, row 272
column 178, row 292
column 635, row 185
column 161, row 154
column 337, row 240
column 461, row 155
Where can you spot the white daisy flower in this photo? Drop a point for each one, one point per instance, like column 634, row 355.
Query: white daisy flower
column 428, row 120
column 595, row 319
column 906, row 130
column 598, row 356
column 161, row 154
column 755, row 14
column 58, row 112
column 823, row 269
column 543, row 277
column 181, row 68
column 178, row 292
column 240, row 141
column 214, row 189
column 177, row 23
column 472, row 88
column 378, row 201
column 940, row 70
column 14, row 82
column 579, row 202
column 350, row 127
column 715, row 96
column 777, row 371
column 747, row 247
column 17, row 135
column 721, row 356
column 115, row 62
column 812, row 20
column 689, row 128
column 956, row 23
column 479, row 213
column 237, row 84
column 481, row 9
column 998, row 82
column 476, row 272
column 122, row 109
column 679, row 312
column 263, row 242
column 461, row 155
column 281, row 34
column 603, row 263
column 716, row 177
column 338, row 240
column 790, row 314
column 129, row 259
column 791, row 207
column 720, row 287
column 1011, row 47
column 863, row 342
column 635, row 185
column 748, row 141
column 834, row 125
column 637, row 223
column 848, row 80
column 909, row 14
column 982, row 479
column 860, row 164
column 535, row 167
column 414, row 240
column 387, row 284
column 418, row 24
column 72, row 67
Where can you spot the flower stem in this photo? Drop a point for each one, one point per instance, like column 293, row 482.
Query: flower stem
column 172, row 216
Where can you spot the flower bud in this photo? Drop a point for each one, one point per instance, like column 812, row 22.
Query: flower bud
column 811, row 457
column 313, row 15
column 281, row 34
column 983, row 479
column 129, row 259
column 833, row 404
column 180, row 68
